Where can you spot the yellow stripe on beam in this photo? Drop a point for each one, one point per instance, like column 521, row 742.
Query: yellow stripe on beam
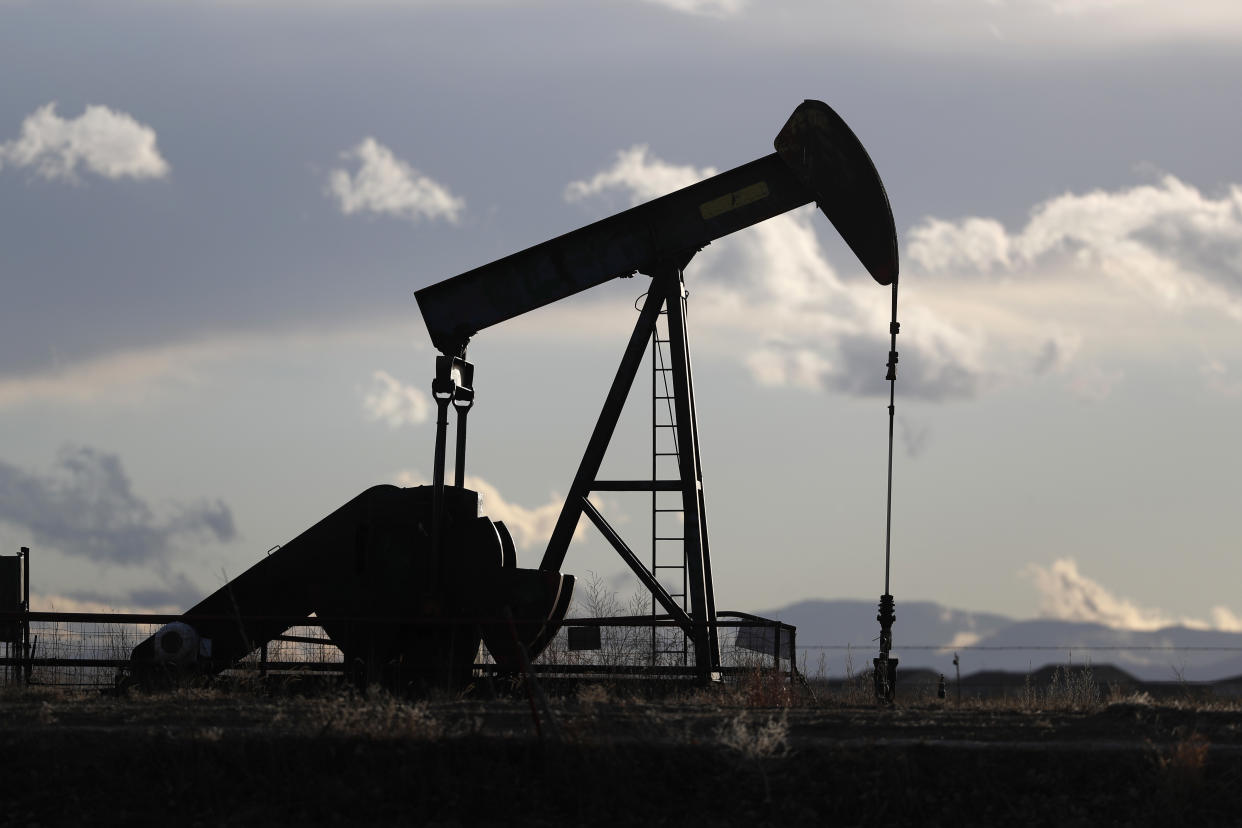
column 739, row 198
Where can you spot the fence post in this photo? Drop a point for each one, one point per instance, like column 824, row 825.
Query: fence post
column 793, row 656
column 27, row 654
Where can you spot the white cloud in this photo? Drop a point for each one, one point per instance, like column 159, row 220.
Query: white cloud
column 390, row 401
column 1067, row 595
column 1132, row 267
column 639, row 175
column 1079, row 8
column 978, row 243
column 100, row 140
column 771, row 290
column 1090, row 284
column 1224, row 618
column 530, row 527
column 962, row 640
column 1044, row 27
column 1167, row 242
column 715, row 8
column 385, row 184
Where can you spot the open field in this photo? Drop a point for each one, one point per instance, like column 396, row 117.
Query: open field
column 241, row 757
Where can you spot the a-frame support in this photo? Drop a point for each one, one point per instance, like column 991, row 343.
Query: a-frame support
column 668, row 292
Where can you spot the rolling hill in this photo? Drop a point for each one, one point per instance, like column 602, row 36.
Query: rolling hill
column 927, row 634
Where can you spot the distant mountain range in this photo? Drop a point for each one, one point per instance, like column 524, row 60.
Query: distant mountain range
column 927, row 634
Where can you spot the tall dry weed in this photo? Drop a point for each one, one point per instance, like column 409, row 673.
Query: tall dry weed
column 756, row 742
column 1071, row 689
column 1184, row 763
column 755, row 739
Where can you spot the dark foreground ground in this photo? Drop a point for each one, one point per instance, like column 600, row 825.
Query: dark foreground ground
column 211, row 758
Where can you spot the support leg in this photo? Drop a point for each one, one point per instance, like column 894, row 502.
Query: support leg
column 558, row 545
column 702, row 598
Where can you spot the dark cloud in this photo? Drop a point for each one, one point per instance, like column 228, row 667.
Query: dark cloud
column 1047, row 358
column 87, row 508
column 926, row 374
column 914, row 437
column 178, row 591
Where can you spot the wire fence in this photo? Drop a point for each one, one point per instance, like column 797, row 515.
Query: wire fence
column 942, row 648
column 86, row 650
column 93, row 650
column 71, row 652
column 1178, row 660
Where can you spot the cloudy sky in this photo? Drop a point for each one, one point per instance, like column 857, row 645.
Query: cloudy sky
column 214, row 216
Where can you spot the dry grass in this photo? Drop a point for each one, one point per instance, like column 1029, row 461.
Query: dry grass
column 376, row 715
column 726, row 754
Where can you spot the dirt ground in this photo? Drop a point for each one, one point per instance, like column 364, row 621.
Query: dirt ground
column 212, row 758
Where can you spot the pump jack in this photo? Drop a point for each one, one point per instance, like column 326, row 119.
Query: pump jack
column 408, row 581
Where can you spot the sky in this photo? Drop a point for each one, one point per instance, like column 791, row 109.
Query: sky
column 214, row 216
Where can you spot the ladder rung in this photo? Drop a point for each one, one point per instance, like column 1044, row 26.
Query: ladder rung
column 669, row 566
column 669, row 539
column 637, row 486
column 668, row 510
